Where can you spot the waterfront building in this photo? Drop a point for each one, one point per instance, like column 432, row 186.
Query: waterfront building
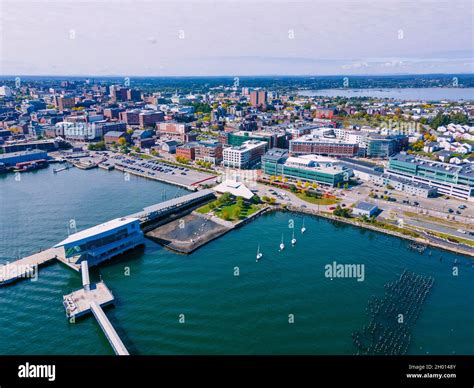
column 453, row 180
column 102, row 242
column 237, row 189
column 309, row 168
column 315, row 144
column 245, row 156
column 44, row 145
column 364, row 209
column 12, row 158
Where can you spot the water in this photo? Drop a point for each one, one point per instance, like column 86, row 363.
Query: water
column 405, row 94
column 224, row 314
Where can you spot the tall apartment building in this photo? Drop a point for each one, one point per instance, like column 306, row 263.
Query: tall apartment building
column 65, row 102
column 258, row 98
column 245, row 156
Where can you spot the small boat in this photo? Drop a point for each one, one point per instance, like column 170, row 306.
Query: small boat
column 282, row 245
column 259, row 254
column 303, row 229
column 293, row 240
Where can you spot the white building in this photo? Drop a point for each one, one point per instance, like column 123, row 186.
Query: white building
column 244, row 156
column 5, row 91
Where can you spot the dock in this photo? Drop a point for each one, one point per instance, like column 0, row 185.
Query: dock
column 27, row 267
column 109, row 331
column 90, row 299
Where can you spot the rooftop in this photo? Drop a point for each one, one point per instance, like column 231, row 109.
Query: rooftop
column 463, row 169
column 365, row 206
column 98, row 229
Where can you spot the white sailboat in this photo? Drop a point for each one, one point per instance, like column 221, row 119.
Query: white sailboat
column 293, row 240
column 259, row 254
column 282, row 245
column 303, row 229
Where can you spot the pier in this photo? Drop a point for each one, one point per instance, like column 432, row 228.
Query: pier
column 154, row 213
column 27, row 266
column 90, row 299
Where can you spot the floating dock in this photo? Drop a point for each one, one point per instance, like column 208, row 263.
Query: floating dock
column 89, row 299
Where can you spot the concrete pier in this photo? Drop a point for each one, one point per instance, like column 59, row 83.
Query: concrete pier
column 26, row 267
column 90, row 298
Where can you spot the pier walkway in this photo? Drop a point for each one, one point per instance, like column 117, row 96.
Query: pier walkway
column 109, row 331
column 27, row 266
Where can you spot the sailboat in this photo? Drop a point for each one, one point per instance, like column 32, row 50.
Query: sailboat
column 282, row 245
column 293, row 240
column 259, row 254
column 303, row 229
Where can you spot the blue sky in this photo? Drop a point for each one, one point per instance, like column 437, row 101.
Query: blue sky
column 202, row 37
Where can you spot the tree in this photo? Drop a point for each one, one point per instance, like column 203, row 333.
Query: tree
column 342, row 212
column 225, row 214
column 99, row 146
column 237, row 212
column 122, row 141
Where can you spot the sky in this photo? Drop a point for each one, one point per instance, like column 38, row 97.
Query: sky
column 244, row 37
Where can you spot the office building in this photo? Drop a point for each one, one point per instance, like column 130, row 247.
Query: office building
column 314, row 144
column 245, row 156
column 452, row 180
column 308, row 168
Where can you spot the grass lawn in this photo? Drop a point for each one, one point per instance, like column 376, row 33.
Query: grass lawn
column 143, row 156
column 317, row 201
column 437, row 220
column 452, row 238
column 230, row 209
column 246, row 211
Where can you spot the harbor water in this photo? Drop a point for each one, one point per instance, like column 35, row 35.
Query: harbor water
column 218, row 300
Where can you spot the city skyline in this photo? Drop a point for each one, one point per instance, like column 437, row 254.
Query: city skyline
column 228, row 39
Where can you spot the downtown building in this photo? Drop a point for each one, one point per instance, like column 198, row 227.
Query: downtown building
column 245, row 156
column 318, row 145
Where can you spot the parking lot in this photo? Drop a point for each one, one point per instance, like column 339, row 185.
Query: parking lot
column 157, row 170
